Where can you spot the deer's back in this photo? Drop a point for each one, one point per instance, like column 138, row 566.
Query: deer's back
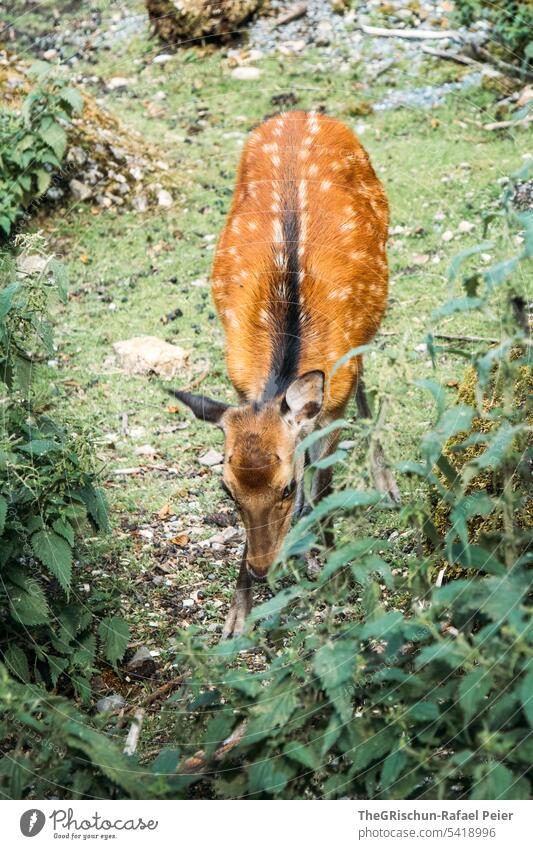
column 300, row 274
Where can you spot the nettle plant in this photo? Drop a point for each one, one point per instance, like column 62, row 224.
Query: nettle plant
column 372, row 684
column 48, row 498
column 33, row 142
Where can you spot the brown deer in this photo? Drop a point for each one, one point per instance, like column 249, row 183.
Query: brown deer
column 299, row 279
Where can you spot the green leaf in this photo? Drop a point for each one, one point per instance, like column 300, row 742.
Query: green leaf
column 17, row 663
column 55, row 137
column 65, row 529
column 166, row 762
column 44, row 178
column 472, row 690
column 6, row 298
column 73, row 98
column 424, row 711
column 458, row 259
column 334, row 663
column 452, row 421
column 372, row 749
column 114, row 633
column 302, row 754
column 268, row 777
column 526, row 695
column 493, row 781
column 318, row 434
column 55, row 552
column 28, row 602
column 392, row 767
column 39, row 447
column 3, row 513
column 274, row 709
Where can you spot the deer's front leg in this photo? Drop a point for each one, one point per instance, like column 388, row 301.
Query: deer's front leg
column 241, row 604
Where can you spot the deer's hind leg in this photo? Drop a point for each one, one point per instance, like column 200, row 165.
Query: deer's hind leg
column 384, row 480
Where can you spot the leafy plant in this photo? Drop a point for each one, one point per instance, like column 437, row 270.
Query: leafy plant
column 48, row 493
column 511, row 25
column 33, row 143
column 49, row 747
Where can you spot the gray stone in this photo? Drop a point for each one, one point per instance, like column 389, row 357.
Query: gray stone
column 142, row 664
column 110, row 704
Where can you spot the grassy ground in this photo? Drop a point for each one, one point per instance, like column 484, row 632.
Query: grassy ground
column 128, row 271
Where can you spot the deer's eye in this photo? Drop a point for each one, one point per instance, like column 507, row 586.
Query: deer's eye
column 226, row 490
column 289, row 489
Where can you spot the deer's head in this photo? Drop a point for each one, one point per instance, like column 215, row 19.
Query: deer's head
column 261, row 473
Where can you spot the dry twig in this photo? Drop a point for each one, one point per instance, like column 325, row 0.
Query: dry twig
column 132, row 739
column 291, row 14
column 413, row 34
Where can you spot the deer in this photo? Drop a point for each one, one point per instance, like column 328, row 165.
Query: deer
column 299, row 279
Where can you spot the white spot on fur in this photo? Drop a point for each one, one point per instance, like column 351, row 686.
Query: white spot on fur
column 313, row 169
column 252, row 225
column 347, row 226
column 325, row 185
column 280, row 259
column 277, row 230
column 276, row 161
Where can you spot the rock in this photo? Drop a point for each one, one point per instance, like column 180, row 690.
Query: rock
column 447, row 236
column 145, row 451
column 31, row 264
column 188, row 603
column 246, row 72
column 340, row 6
column 140, row 203
column 226, row 536
column 211, row 458
column 142, row 664
column 116, row 83
column 323, row 33
column 164, row 199
column 110, row 704
column 180, row 21
column 79, row 190
column 465, row 226
column 145, row 354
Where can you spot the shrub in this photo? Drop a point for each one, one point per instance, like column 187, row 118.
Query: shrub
column 51, row 749
column 33, row 143
column 511, row 25
column 48, row 492
column 355, row 698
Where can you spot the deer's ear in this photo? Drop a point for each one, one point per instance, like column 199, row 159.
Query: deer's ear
column 304, row 398
column 203, row 408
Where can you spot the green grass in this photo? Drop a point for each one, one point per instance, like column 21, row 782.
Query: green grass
column 128, row 271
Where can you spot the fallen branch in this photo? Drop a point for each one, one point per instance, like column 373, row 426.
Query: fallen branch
column 292, row 14
column 150, row 698
column 503, row 66
column 132, row 739
column 452, row 57
column 199, row 763
column 421, row 34
column 504, row 125
column 452, row 338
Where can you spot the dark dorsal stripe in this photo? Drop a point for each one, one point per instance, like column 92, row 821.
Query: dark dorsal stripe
column 286, row 313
